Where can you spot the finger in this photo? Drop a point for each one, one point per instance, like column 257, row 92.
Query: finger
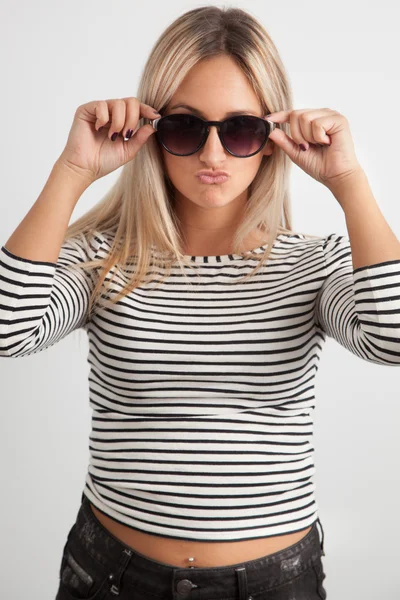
column 299, row 130
column 101, row 113
column 282, row 116
column 132, row 115
column 310, row 121
column 306, row 128
column 285, row 142
column 319, row 132
column 118, row 113
column 135, row 110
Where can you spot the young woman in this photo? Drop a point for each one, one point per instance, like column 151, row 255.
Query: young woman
column 201, row 475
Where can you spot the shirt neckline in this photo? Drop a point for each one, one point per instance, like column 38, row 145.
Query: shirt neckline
column 224, row 258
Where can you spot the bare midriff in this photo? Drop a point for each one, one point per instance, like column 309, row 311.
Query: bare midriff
column 176, row 552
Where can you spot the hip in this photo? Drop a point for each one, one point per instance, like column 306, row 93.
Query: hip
column 97, row 565
column 177, row 552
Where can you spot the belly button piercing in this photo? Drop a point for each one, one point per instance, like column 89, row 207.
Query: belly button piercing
column 191, row 560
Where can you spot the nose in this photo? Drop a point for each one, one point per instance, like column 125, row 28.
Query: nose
column 213, row 149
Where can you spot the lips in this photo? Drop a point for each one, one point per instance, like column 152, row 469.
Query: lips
column 209, row 173
column 208, row 179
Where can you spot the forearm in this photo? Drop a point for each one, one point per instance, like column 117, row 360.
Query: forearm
column 371, row 239
column 40, row 234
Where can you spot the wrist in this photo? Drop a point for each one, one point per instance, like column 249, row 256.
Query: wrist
column 79, row 178
column 356, row 196
column 347, row 180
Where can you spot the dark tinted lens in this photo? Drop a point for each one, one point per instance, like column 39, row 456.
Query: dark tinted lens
column 244, row 135
column 181, row 134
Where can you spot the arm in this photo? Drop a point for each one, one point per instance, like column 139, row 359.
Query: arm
column 360, row 308
column 359, row 302
column 372, row 240
column 42, row 300
column 40, row 234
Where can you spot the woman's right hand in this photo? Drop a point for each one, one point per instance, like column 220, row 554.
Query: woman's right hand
column 91, row 152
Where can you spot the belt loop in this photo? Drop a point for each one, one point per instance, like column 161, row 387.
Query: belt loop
column 242, row 580
column 116, row 579
column 322, row 534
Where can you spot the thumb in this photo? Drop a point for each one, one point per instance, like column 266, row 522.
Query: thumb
column 281, row 139
column 138, row 139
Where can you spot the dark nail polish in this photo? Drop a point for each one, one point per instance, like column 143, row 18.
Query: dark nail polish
column 129, row 133
column 114, row 136
column 302, row 146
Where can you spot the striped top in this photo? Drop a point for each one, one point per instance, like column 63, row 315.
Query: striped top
column 202, row 396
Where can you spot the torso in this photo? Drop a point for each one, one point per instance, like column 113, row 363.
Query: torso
column 177, row 552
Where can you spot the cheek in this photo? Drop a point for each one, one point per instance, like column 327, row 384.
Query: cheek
column 169, row 163
column 180, row 170
column 165, row 161
column 247, row 169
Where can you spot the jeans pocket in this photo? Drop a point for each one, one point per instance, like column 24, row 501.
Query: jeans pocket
column 80, row 579
column 320, row 576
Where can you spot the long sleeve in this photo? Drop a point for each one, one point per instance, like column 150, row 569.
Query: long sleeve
column 42, row 302
column 360, row 308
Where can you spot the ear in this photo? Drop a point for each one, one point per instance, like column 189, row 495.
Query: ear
column 268, row 148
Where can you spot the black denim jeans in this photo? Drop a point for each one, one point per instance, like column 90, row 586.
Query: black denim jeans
column 96, row 565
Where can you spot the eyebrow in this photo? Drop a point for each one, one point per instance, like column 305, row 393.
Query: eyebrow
column 233, row 113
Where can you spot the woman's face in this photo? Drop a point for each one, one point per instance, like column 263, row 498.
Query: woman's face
column 215, row 87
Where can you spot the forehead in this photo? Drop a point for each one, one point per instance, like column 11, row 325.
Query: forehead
column 201, row 113
column 216, row 86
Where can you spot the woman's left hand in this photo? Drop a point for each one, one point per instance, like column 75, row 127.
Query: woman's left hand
column 329, row 163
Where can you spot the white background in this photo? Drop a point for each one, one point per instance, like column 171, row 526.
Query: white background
column 57, row 55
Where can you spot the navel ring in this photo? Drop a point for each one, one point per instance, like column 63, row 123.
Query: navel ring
column 191, row 560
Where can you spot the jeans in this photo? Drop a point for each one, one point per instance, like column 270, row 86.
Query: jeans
column 97, row 565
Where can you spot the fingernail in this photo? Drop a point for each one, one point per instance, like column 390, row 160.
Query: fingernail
column 114, row 136
column 302, row 146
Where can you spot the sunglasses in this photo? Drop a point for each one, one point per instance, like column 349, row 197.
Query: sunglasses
column 185, row 134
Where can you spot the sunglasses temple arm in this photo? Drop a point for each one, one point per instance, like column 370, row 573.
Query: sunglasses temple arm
column 154, row 123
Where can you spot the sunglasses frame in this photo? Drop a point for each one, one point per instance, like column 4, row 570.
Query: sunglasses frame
column 218, row 124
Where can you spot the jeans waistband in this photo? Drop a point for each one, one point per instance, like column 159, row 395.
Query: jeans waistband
column 155, row 577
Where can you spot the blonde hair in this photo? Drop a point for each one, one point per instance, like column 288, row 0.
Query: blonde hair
column 138, row 210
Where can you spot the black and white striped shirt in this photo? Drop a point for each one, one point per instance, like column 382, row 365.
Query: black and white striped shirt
column 203, row 395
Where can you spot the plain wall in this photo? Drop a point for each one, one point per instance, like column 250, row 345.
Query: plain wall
column 57, row 55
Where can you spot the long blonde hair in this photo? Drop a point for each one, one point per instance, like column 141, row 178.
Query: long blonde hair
column 138, row 211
